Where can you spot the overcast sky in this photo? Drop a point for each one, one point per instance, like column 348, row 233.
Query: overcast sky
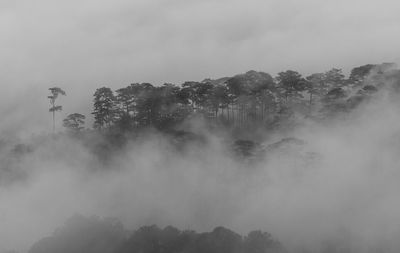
column 80, row 45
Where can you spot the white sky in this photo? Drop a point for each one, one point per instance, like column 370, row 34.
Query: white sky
column 80, row 45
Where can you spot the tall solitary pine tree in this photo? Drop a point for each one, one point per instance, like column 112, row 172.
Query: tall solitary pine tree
column 55, row 92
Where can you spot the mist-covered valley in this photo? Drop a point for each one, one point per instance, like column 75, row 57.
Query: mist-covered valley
column 248, row 163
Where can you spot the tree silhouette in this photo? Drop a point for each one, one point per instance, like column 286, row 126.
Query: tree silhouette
column 335, row 78
column 145, row 104
column 219, row 98
column 198, row 93
column 104, row 107
column 291, row 83
column 261, row 242
column 247, row 92
column 83, row 235
column 74, row 122
column 358, row 74
column 126, row 98
column 55, row 92
column 316, row 87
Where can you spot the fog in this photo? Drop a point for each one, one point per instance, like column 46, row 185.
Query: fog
column 346, row 194
column 340, row 186
column 81, row 45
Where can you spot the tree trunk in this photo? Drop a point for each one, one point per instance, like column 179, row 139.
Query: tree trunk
column 54, row 120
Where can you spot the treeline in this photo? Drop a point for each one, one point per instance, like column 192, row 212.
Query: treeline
column 241, row 101
column 94, row 235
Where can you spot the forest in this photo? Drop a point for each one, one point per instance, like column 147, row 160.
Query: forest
column 244, row 108
column 95, row 235
column 246, row 111
column 199, row 126
column 243, row 102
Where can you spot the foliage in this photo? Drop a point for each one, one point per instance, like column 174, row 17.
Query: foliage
column 335, row 78
column 83, row 235
column 86, row 235
column 358, row 74
column 291, row 84
column 74, row 122
column 55, row 92
column 245, row 101
column 104, row 107
column 316, row 86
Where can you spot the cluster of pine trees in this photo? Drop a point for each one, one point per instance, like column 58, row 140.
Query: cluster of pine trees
column 250, row 99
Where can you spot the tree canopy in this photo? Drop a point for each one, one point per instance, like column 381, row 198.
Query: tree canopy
column 74, row 122
column 244, row 101
column 94, row 235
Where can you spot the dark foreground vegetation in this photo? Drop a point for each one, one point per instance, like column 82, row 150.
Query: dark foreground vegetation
column 95, row 235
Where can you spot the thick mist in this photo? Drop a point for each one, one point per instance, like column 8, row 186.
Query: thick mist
column 338, row 187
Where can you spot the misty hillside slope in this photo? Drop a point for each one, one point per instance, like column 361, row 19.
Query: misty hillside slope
column 312, row 160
